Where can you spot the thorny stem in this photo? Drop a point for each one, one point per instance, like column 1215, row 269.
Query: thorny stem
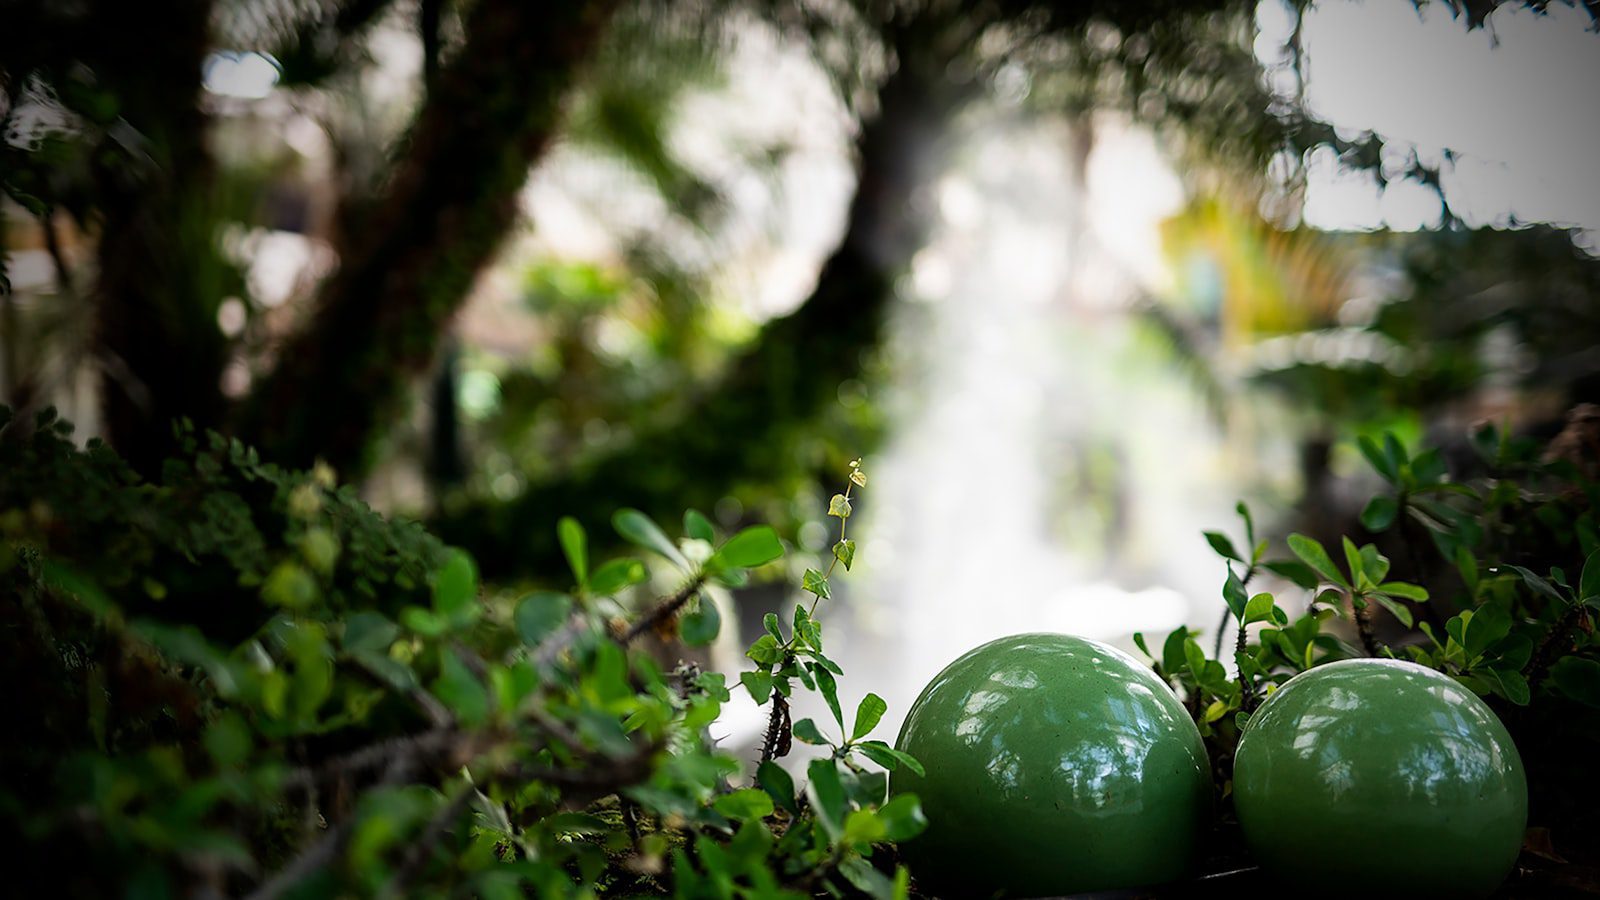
column 1543, row 657
column 663, row 610
column 1364, row 626
column 1247, row 690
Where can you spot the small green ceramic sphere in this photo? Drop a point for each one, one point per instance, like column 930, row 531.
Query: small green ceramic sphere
column 1377, row 776
column 1054, row 765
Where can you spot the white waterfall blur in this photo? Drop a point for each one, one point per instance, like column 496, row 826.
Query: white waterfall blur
column 1045, row 471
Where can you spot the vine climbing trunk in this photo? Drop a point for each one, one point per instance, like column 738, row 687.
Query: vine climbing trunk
column 414, row 253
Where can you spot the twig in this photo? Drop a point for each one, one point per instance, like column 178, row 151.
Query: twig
column 1364, row 627
column 664, row 609
column 413, row 749
column 551, row 648
column 1247, row 688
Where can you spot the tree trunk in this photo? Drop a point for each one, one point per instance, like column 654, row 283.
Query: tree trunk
column 160, row 278
column 775, row 390
column 378, row 321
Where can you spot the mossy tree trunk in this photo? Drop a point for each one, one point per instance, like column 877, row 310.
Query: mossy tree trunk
column 415, row 253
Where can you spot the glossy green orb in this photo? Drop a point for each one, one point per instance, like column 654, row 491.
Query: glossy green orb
column 1055, row 765
column 1377, row 776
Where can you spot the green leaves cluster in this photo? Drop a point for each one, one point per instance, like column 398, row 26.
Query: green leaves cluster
column 1514, row 633
column 329, row 738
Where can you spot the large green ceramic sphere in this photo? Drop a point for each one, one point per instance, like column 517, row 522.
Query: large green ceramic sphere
column 1054, row 765
column 1377, row 776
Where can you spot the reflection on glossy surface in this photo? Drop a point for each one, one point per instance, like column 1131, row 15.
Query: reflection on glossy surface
column 1055, row 765
column 1368, row 776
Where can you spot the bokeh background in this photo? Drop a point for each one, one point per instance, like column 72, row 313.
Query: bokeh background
column 1072, row 279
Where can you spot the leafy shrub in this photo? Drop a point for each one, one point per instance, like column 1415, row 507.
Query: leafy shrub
column 241, row 680
column 1503, row 559
column 247, row 682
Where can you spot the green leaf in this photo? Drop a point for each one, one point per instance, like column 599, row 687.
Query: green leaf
column 460, row 691
column 290, row 585
column 759, row 684
column 807, row 731
column 1174, row 650
column 754, row 546
column 1249, row 523
column 423, row 621
column 575, row 544
column 615, row 575
column 399, row 675
column 1428, row 467
column 1538, row 584
column 1258, row 609
column 868, row 714
column 367, row 630
column 697, row 526
column 839, row 505
column 1380, row 463
column 637, row 528
column 1374, row 564
column 902, row 818
column 1312, row 554
column 1489, row 624
column 1233, row 593
column 778, row 784
column 701, row 626
column 1223, row 547
column 1589, row 581
column 1379, row 513
column 863, row 877
column 1352, row 559
column 1398, row 610
column 845, row 552
column 1299, row 573
column 1467, row 565
column 539, row 614
column 1510, row 684
column 826, row 792
column 1578, row 678
column 1393, row 452
column 889, row 757
column 1404, row 589
column 830, row 693
column 770, row 623
column 816, row 583
column 806, row 628
column 765, row 651
column 748, row 803
column 862, row 827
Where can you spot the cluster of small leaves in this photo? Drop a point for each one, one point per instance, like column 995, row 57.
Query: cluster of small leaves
column 849, row 803
column 1513, row 632
column 420, row 741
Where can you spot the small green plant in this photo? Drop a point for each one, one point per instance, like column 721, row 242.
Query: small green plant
column 1487, row 555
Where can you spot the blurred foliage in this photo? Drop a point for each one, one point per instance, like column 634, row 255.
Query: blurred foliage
column 359, row 719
